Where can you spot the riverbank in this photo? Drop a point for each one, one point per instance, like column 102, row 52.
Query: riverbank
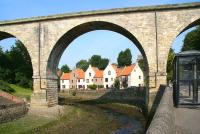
column 83, row 115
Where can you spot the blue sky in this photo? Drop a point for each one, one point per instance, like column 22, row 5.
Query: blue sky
column 105, row 43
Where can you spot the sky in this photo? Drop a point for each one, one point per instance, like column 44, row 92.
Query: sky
column 105, row 43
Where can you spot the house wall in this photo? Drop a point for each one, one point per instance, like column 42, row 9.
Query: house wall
column 88, row 77
column 111, row 76
column 73, row 79
column 80, row 82
column 66, row 83
column 134, row 79
column 98, row 81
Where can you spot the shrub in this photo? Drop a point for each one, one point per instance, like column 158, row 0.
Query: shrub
column 117, row 83
column 6, row 87
column 100, row 86
column 93, row 86
column 73, row 93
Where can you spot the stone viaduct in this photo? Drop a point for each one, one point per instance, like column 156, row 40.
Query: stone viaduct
column 152, row 29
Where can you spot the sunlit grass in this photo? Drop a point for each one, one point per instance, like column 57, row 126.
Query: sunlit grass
column 21, row 92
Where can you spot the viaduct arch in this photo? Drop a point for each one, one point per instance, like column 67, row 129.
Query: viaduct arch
column 153, row 29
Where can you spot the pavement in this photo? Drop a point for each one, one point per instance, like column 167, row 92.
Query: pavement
column 187, row 120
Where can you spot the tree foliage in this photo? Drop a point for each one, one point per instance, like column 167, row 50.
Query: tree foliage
column 65, row 68
column 170, row 64
column 16, row 66
column 98, row 61
column 141, row 64
column 192, row 40
column 124, row 58
column 82, row 64
column 117, row 83
column 94, row 61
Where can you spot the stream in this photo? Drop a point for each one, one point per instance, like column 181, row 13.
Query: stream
column 128, row 123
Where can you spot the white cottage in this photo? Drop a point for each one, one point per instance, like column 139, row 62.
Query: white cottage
column 131, row 76
column 65, row 81
column 109, row 75
column 89, row 76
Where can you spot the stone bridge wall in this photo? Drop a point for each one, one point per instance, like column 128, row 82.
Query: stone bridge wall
column 164, row 119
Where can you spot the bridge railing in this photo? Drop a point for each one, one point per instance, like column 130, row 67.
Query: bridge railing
column 164, row 119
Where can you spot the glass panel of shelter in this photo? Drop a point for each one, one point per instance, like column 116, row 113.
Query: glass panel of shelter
column 188, row 74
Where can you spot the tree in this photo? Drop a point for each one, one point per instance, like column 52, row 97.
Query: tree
column 117, row 83
column 103, row 64
column 65, row 68
column 141, row 64
column 82, row 64
column 16, row 66
column 124, row 58
column 170, row 64
column 97, row 61
column 192, row 40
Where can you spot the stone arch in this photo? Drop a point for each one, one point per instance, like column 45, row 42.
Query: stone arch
column 181, row 30
column 81, row 29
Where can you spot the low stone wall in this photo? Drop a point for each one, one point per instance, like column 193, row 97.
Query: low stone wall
column 12, row 111
column 10, row 97
column 164, row 119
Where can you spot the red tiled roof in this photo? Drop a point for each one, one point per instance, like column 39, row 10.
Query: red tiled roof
column 65, row 76
column 117, row 70
column 98, row 74
column 80, row 73
column 127, row 70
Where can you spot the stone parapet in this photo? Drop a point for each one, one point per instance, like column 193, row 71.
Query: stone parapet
column 164, row 119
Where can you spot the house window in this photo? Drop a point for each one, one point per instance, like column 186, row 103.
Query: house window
column 79, row 80
column 92, row 79
column 62, row 81
column 96, row 79
column 89, row 74
column 83, row 80
column 109, row 72
column 87, row 80
column 111, row 79
column 72, row 81
column 139, row 77
column 74, row 75
column 106, row 79
column 63, row 86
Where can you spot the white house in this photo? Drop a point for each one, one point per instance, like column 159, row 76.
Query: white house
column 65, row 81
column 109, row 75
column 131, row 76
column 89, row 75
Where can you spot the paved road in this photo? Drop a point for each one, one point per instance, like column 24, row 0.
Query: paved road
column 187, row 120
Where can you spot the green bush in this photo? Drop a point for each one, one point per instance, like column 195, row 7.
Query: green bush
column 117, row 83
column 93, row 86
column 6, row 87
column 73, row 93
column 100, row 86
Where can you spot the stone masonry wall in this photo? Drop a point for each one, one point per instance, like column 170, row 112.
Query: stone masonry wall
column 12, row 111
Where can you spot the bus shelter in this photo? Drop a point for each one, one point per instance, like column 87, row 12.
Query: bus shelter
column 186, row 78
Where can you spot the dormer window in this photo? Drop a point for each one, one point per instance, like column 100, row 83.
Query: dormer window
column 90, row 74
column 109, row 72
